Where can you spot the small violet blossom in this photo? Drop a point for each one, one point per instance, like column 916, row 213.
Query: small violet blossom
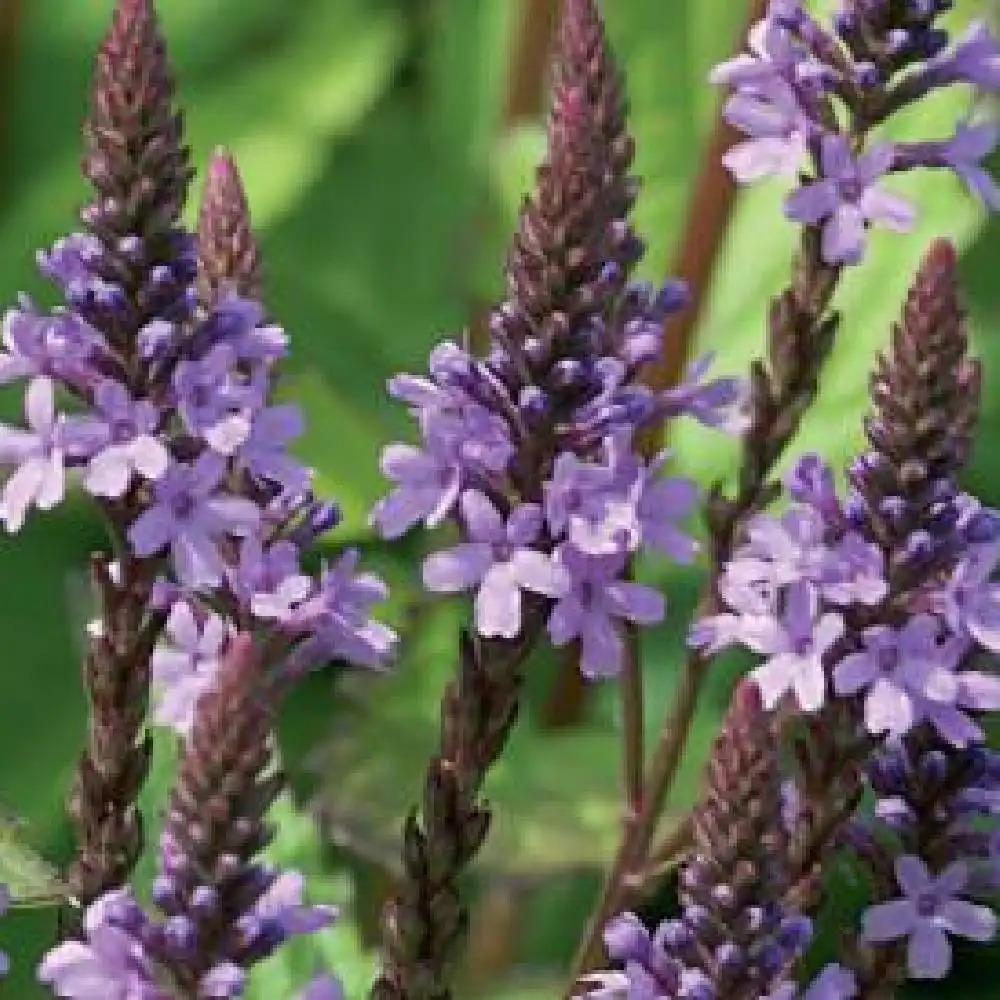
column 597, row 600
column 110, row 963
column 499, row 562
column 184, row 666
column 129, row 445
column 189, row 514
column 846, row 199
column 928, row 911
column 39, row 454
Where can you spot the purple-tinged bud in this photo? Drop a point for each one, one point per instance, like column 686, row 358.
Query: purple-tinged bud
column 674, row 936
column 983, row 527
column 730, row 958
column 626, row 939
column 932, row 768
column 533, row 403
column 180, row 936
column 204, row 900
column 164, row 893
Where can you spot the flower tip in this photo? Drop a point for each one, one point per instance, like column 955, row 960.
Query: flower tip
column 941, row 255
column 747, row 698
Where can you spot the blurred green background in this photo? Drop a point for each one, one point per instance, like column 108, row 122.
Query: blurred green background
column 385, row 146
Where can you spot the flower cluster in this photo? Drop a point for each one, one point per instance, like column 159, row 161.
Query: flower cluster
column 884, row 598
column 808, row 97
column 533, row 452
column 933, row 845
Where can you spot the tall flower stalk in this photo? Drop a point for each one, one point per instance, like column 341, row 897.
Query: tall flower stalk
column 132, row 271
column 532, row 452
column 809, row 99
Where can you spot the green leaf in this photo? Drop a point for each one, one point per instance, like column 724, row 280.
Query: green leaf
column 30, row 879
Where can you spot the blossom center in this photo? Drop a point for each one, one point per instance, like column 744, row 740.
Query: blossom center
column 926, row 904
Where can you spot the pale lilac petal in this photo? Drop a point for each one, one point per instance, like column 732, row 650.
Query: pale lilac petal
column 457, row 568
column 229, row 434
column 775, row 677
column 889, row 209
column 108, row 473
column 524, row 524
column 404, row 461
column 20, row 490
column 888, row 709
column 182, row 626
column 844, row 236
column 196, row 560
column 538, row 572
column 952, row 880
column 151, row 531
column 481, row 518
column 39, row 405
column 810, row 685
column 566, row 620
column 149, row 456
column 636, row 602
column 979, row 691
column 969, row 920
column 812, row 202
column 397, row 512
column 912, row 875
column 52, row 486
column 928, row 954
column 888, row 921
column 498, row 603
column 854, row 672
column 601, row 647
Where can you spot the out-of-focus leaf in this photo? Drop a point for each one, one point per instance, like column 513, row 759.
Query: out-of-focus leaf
column 556, row 795
column 30, row 879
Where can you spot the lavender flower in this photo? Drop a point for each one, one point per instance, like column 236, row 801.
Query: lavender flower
column 189, row 515
column 847, row 199
column 799, row 81
column 112, row 962
column 499, row 560
column 929, row 909
column 185, row 666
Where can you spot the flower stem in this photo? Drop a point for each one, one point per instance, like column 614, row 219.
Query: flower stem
column 782, row 388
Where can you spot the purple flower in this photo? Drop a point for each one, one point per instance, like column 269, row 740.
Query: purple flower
column 110, row 963
column 794, row 646
column 597, row 600
column 899, row 670
column 499, row 561
column 129, row 445
column 975, row 59
column 210, row 392
column 39, row 454
column 337, row 616
column 846, row 199
column 269, row 581
column 189, row 514
column 772, row 115
column 224, row 981
column 283, row 905
column 929, row 910
column 964, row 153
column 427, row 487
column 970, row 600
column 184, row 666
column 263, row 451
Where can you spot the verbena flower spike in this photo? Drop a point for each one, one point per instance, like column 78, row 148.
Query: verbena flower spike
column 858, row 739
